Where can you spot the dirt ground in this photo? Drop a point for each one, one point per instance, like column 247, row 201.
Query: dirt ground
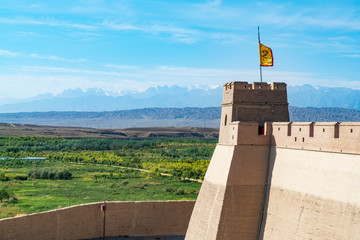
column 15, row 129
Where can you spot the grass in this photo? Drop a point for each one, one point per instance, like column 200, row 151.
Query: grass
column 98, row 168
column 111, row 183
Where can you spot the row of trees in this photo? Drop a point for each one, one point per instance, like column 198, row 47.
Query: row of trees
column 39, row 144
column 50, row 173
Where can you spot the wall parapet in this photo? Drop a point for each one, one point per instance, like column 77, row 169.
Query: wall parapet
column 320, row 136
column 156, row 219
column 245, row 86
column 256, row 92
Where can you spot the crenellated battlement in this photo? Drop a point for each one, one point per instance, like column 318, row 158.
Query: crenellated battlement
column 245, row 86
column 257, row 92
column 320, row 136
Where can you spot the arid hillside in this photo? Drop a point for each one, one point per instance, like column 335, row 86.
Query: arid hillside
column 13, row 129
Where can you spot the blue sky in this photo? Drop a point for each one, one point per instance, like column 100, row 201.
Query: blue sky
column 130, row 45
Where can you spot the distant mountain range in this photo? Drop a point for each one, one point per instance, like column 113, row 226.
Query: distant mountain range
column 165, row 117
column 170, row 97
column 99, row 100
column 168, row 106
column 318, row 97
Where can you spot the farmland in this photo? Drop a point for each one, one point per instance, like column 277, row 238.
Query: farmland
column 91, row 169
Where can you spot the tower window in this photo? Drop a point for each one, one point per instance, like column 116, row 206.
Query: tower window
column 225, row 119
column 261, row 130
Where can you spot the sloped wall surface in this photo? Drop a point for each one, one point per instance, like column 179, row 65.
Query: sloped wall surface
column 313, row 195
column 230, row 201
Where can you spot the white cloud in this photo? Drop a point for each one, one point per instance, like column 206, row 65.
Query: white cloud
column 121, row 26
column 35, row 6
column 323, row 16
column 61, row 70
column 215, row 3
column 332, row 22
column 118, row 7
column 177, row 33
column 56, row 58
column 352, row 55
column 47, row 22
column 122, row 67
column 8, row 53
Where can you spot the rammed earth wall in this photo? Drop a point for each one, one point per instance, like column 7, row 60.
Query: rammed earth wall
column 160, row 218
column 312, row 195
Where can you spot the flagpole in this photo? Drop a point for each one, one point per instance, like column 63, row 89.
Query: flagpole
column 259, row 54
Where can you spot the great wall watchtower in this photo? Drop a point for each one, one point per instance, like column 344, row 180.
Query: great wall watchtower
column 232, row 193
column 273, row 179
column 256, row 102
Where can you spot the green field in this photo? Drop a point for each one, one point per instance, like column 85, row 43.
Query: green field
column 90, row 170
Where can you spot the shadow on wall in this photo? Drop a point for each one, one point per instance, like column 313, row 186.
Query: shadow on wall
column 271, row 163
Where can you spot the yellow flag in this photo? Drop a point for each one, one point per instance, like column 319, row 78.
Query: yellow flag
column 266, row 56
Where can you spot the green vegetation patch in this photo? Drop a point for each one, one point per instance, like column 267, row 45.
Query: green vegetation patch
column 90, row 170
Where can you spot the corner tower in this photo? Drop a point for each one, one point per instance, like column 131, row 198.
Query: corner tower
column 230, row 201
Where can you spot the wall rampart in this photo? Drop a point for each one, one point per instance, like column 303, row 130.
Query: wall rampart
column 320, row 136
column 160, row 218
